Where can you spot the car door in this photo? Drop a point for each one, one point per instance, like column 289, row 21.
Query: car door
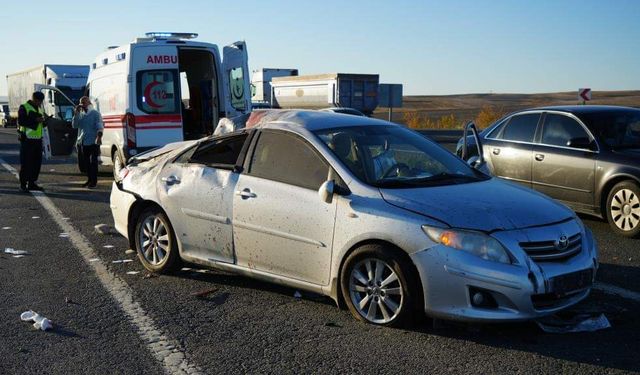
column 197, row 193
column 237, row 91
column 561, row 169
column 281, row 225
column 509, row 151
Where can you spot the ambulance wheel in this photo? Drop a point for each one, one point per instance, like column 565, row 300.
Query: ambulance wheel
column 118, row 164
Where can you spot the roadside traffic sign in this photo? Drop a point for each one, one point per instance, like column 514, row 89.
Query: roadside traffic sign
column 584, row 94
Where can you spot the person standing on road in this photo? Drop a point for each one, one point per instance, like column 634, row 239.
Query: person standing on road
column 89, row 122
column 30, row 125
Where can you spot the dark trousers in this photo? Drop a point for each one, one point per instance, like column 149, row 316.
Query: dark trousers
column 90, row 155
column 30, row 160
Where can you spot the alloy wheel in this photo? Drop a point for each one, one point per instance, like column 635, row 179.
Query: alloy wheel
column 625, row 209
column 376, row 291
column 154, row 239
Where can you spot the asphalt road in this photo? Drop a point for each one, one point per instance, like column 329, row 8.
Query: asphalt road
column 105, row 319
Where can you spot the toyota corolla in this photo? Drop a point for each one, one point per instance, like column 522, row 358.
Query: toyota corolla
column 361, row 210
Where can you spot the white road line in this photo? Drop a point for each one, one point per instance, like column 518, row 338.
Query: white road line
column 166, row 350
column 612, row 289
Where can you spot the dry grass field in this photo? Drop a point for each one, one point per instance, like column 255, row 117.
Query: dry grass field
column 451, row 111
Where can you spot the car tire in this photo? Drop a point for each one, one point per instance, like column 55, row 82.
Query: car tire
column 156, row 242
column 118, row 164
column 389, row 297
column 623, row 209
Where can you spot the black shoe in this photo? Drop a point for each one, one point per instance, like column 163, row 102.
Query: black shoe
column 23, row 188
column 91, row 186
column 34, row 187
column 86, row 184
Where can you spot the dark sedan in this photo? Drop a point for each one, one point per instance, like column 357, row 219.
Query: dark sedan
column 587, row 157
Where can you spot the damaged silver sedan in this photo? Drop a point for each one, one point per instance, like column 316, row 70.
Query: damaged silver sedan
column 361, row 210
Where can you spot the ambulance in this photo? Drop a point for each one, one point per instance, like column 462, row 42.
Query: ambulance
column 165, row 88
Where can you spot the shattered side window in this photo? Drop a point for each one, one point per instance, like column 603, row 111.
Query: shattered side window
column 222, row 152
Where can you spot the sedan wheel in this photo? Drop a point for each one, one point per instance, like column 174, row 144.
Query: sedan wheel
column 380, row 286
column 155, row 241
column 375, row 291
column 623, row 209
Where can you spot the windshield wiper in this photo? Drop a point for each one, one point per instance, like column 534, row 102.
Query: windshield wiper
column 440, row 177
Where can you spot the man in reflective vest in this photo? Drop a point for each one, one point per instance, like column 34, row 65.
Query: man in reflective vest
column 30, row 124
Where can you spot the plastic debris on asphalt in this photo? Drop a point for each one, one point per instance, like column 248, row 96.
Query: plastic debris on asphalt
column 35, row 217
column 94, row 260
column 108, row 246
column 122, row 261
column 103, row 229
column 39, row 321
column 577, row 323
column 133, row 272
column 6, row 228
column 297, row 295
column 129, row 251
column 12, row 251
column 63, row 235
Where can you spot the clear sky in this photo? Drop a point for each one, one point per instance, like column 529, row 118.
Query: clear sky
column 432, row 47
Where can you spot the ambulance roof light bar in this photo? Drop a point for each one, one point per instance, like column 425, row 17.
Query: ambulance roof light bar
column 162, row 35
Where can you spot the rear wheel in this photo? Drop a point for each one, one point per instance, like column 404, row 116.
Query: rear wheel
column 623, row 209
column 155, row 242
column 380, row 287
column 118, row 164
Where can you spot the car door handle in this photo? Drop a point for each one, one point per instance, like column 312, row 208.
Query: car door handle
column 496, row 151
column 539, row 157
column 170, row 180
column 246, row 194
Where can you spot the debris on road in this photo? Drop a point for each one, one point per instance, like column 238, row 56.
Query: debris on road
column 40, row 322
column 35, row 217
column 94, row 260
column 129, row 251
column 64, row 235
column 18, row 256
column 108, row 246
column 122, row 261
column 6, row 228
column 133, row 272
column 577, row 323
column 297, row 295
column 204, row 293
column 149, row 275
column 9, row 250
column 104, row 229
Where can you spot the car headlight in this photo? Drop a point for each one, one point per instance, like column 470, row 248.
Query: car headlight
column 476, row 243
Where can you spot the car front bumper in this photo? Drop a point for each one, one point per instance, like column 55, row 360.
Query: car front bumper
column 523, row 291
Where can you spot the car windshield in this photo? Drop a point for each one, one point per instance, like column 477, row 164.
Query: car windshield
column 395, row 157
column 616, row 129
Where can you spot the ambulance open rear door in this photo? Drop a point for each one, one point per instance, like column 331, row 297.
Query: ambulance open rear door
column 236, row 79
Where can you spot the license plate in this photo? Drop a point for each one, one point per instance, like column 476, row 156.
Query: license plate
column 571, row 282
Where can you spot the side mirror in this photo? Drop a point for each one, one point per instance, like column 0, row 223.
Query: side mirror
column 580, row 142
column 326, row 191
column 476, row 161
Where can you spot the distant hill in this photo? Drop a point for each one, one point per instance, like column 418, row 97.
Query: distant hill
column 467, row 106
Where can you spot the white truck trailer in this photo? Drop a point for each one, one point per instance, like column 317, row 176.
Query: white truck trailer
column 358, row 91
column 71, row 80
column 261, row 82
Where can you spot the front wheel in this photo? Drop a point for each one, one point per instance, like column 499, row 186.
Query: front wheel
column 380, row 287
column 155, row 242
column 623, row 209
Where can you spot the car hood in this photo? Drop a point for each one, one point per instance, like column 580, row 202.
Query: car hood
column 484, row 206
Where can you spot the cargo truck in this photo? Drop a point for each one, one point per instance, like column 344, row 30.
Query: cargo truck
column 261, row 82
column 358, row 91
column 68, row 80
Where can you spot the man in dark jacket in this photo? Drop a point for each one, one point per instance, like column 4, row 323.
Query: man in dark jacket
column 30, row 125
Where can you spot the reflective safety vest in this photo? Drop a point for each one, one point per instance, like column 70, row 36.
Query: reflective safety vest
column 28, row 132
